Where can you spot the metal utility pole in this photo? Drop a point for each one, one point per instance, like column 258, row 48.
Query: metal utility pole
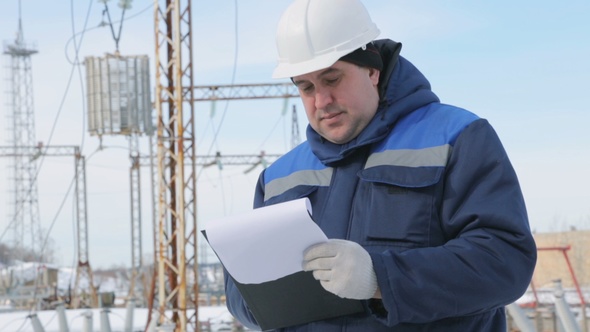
column 176, row 300
column 177, row 295
column 137, row 284
column 24, row 214
column 83, row 269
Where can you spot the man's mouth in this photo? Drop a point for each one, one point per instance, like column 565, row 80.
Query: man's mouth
column 329, row 116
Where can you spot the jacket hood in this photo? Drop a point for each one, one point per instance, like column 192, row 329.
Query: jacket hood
column 403, row 89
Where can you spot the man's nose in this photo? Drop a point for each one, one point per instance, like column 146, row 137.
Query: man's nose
column 323, row 97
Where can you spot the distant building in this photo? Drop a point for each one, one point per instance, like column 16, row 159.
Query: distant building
column 552, row 263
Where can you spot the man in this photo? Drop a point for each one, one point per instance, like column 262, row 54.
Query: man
column 425, row 216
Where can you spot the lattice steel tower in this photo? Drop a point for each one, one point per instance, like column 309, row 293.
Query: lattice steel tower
column 20, row 127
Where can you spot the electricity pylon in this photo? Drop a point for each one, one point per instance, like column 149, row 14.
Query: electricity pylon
column 24, row 214
column 175, row 303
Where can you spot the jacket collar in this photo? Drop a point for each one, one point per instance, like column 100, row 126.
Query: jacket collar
column 403, row 89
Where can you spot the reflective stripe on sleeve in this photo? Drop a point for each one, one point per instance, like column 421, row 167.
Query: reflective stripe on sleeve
column 278, row 186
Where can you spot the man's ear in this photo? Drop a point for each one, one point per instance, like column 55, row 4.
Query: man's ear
column 374, row 75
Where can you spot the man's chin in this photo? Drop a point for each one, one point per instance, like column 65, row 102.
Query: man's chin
column 337, row 139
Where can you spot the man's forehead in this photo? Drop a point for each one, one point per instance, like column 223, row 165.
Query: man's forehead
column 335, row 68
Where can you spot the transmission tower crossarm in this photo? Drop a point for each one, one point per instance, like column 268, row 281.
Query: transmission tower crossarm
column 245, row 91
column 230, row 159
column 56, row 151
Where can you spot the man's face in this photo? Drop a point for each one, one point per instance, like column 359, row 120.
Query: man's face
column 340, row 100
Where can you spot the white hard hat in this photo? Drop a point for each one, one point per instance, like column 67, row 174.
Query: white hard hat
column 314, row 34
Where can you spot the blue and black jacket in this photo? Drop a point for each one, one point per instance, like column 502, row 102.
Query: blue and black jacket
column 428, row 190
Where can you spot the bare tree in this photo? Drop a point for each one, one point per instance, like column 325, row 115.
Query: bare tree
column 9, row 253
column 5, row 256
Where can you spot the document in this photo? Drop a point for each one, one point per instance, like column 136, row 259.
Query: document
column 267, row 243
column 262, row 250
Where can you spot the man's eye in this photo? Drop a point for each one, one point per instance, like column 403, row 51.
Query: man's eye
column 307, row 88
column 332, row 81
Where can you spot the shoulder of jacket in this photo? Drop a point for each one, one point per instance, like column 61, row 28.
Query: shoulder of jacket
column 301, row 158
column 432, row 125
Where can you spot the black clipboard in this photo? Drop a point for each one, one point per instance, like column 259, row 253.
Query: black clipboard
column 293, row 300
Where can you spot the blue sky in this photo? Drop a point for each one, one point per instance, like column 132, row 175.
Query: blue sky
column 523, row 65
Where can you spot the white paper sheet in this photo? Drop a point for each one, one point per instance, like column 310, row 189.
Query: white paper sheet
column 267, row 243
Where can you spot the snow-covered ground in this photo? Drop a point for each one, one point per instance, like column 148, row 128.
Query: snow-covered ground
column 26, row 272
column 22, row 275
column 212, row 318
column 218, row 318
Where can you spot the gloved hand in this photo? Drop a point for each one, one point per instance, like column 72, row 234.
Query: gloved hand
column 343, row 268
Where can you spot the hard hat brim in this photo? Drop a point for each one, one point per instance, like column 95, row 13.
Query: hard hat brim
column 286, row 70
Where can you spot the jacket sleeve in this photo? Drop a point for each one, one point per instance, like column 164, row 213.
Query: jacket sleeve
column 489, row 257
column 234, row 300
column 236, row 304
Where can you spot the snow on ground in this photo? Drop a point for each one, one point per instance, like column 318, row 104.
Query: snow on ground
column 218, row 317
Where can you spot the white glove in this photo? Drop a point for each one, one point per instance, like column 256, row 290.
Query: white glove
column 343, row 268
